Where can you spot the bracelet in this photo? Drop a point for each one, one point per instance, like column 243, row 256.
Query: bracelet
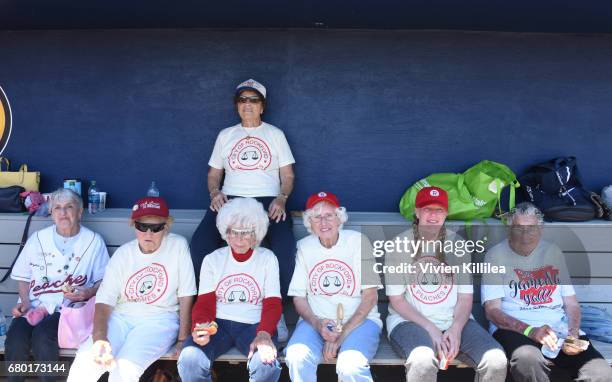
column 284, row 196
column 212, row 192
column 527, row 330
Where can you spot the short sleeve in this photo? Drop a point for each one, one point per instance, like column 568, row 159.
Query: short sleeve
column 100, row 260
column 187, row 284
column 285, row 157
column 492, row 286
column 369, row 277
column 216, row 158
column 110, row 289
column 299, row 281
column 272, row 282
column 491, row 292
column 567, row 290
column 207, row 274
column 22, row 270
column 465, row 288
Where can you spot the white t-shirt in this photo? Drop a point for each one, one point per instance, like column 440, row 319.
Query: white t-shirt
column 251, row 158
column 533, row 287
column 146, row 284
column 43, row 266
column 330, row 276
column 240, row 287
column 432, row 293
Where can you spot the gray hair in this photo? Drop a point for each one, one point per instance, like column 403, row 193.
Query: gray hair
column 308, row 214
column 526, row 209
column 243, row 212
column 63, row 195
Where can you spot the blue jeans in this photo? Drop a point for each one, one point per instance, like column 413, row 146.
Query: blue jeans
column 41, row 339
column 305, row 351
column 279, row 239
column 195, row 361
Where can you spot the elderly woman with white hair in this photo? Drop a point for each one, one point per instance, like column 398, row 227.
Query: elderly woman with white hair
column 60, row 264
column 532, row 307
column 333, row 280
column 239, row 294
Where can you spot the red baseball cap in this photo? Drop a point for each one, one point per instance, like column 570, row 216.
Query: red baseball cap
column 322, row 196
column 150, row 206
column 431, row 195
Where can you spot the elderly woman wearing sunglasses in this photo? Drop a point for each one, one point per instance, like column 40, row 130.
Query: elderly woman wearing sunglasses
column 256, row 161
column 144, row 302
column 239, row 291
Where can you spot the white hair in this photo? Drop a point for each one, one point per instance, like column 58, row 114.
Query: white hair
column 526, row 209
column 316, row 210
column 243, row 213
column 63, row 195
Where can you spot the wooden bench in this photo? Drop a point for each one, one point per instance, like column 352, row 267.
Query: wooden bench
column 587, row 247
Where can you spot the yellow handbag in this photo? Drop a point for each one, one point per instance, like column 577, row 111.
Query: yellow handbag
column 24, row 178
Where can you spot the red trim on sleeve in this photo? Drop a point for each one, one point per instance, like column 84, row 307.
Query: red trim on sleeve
column 271, row 311
column 204, row 310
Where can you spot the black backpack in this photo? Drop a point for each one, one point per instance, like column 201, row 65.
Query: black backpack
column 555, row 188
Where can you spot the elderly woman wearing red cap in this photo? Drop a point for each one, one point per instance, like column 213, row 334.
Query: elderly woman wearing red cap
column 144, row 301
column 254, row 160
column 335, row 294
column 429, row 314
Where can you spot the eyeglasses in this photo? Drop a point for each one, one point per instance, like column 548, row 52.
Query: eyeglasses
column 251, row 99
column 240, row 233
column 327, row 217
column 153, row 227
column 530, row 230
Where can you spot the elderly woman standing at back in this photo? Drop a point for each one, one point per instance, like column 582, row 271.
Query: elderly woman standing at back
column 253, row 159
column 59, row 264
column 333, row 267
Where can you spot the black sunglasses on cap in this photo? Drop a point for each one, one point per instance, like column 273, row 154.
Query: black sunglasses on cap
column 154, row 227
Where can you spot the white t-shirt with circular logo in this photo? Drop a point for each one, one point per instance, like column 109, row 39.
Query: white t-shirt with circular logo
column 144, row 284
column 330, row 276
column 433, row 294
column 240, row 287
column 251, row 158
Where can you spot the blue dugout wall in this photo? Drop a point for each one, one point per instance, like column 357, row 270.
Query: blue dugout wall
column 367, row 113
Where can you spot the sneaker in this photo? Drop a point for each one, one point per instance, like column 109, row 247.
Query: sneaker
column 282, row 330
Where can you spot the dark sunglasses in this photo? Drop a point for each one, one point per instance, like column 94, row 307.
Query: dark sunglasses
column 252, row 99
column 154, row 227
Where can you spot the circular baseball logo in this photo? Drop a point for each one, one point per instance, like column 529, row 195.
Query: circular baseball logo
column 238, row 288
column 321, row 194
column 434, row 193
column 330, row 277
column 6, row 120
column 147, row 285
column 428, row 285
column 250, row 153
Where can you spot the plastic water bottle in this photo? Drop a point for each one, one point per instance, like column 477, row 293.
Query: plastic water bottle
column 153, row 190
column 561, row 332
column 2, row 324
column 93, row 198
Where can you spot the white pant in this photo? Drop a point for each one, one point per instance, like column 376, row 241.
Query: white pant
column 136, row 343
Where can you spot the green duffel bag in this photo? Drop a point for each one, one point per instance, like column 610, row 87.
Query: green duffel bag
column 485, row 182
column 461, row 204
column 471, row 195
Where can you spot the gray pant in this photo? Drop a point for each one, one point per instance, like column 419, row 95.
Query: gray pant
column 478, row 350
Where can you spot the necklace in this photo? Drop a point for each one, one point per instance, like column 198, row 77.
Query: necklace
column 67, row 261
